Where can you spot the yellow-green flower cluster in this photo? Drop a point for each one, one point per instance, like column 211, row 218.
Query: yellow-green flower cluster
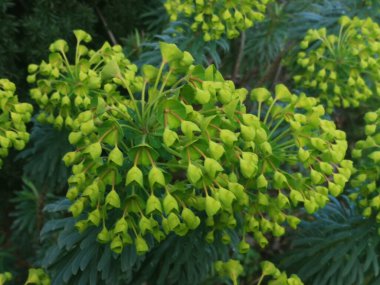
column 341, row 70
column 13, row 119
column 64, row 89
column 367, row 177
column 218, row 17
column 182, row 150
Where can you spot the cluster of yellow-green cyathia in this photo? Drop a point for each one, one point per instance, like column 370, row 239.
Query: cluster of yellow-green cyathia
column 64, row 89
column 367, row 177
column 341, row 70
column 13, row 119
column 180, row 149
column 218, row 17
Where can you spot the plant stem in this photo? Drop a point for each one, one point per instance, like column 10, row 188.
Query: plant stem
column 240, row 57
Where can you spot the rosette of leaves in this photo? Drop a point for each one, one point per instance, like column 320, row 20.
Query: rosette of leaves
column 183, row 150
column 64, row 89
column 13, row 119
column 341, row 70
column 218, row 17
column 367, row 176
column 339, row 246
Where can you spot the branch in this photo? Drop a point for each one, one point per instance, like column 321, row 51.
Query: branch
column 240, row 56
column 105, row 24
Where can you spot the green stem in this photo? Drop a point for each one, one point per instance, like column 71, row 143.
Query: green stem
column 159, row 75
column 261, row 279
column 270, row 109
column 259, row 111
column 143, row 99
column 165, row 81
column 131, row 95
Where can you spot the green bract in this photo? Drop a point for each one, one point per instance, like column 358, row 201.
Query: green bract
column 342, row 70
column 218, row 17
column 367, row 175
column 231, row 269
column 37, row 276
column 13, row 119
column 165, row 160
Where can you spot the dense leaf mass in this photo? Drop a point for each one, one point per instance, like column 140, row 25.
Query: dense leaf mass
column 345, row 242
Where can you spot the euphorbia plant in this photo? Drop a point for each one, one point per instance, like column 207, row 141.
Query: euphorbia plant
column 173, row 147
column 341, row 70
column 218, row 17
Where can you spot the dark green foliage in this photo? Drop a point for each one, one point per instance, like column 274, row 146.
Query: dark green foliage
column 6, row 254
column 79, row 259
column 75, row 258
column 43, row 158
column 60, row 16
column 305, row 15
column 28, row 217
column 187, row 260
column 123, row 17
column 8, row 43
column 180, row 34
column 338, row 247
column 155, row 17
column 264, row 45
